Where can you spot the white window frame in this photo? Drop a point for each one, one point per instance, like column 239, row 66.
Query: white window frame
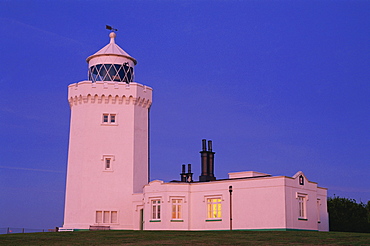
column 155, row 209
column 112, row 119
column 106, row 217
column 214, row 208
column 109, row 119
column 105, row 118
column 302, row 206
column 177, row 209
column 106, row 159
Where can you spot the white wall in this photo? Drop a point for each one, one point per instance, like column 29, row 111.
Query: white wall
column 89, row 186
column 257, row 203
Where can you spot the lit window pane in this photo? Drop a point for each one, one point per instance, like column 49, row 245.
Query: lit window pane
column 214, row 208
column 173, row 211
column 179, row 215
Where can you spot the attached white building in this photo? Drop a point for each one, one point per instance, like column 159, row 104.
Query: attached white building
column 107, row 177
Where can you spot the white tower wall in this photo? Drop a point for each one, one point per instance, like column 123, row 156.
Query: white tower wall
column 108, row 146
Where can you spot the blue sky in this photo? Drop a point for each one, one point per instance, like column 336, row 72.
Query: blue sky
column 279, row 86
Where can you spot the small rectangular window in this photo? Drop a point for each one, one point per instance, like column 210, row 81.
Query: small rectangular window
column 106, row 217
column 107, row 163
column 114, row 217
column 98, row 217
column 109, row 119
column 105, row 118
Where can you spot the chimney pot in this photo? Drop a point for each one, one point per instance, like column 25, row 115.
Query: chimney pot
column 204, row 144
column 210, row 145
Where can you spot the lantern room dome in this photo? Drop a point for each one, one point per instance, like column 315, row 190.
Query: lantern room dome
column 111, row 63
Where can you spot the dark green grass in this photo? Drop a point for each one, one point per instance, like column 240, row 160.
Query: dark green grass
column 187, row 238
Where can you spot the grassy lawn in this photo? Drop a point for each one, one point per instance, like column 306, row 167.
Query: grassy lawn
column 186, row 238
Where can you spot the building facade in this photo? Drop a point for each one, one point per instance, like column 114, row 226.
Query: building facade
column 108, row 169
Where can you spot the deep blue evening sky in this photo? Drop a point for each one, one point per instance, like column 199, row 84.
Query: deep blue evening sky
column 279, row 86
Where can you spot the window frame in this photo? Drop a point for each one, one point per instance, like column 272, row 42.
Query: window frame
column 112, row 118
column 105, row 217
column 108, row 159
column 214, row 208
column 177, row 209
column 109, row 119
column 155, row 209
column 105, row 118
column 302, row 206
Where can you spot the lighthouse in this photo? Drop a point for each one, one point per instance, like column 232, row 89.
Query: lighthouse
column 108, row 143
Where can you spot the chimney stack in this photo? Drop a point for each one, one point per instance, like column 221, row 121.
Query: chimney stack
column 207, row 162
column 183, row 174
column 189, row 175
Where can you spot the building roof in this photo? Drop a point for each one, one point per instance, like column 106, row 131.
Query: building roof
column 112, row 49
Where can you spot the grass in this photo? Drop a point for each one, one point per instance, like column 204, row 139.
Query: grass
column 186, row 238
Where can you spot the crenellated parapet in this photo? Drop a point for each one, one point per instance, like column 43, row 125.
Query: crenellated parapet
column 107, row 92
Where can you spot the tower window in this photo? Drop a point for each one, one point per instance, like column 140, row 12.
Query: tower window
column 109, row 119
column 98, row 217
column 108, row 162
column 106, row 217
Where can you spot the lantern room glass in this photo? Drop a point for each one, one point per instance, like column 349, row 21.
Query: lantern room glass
column 111, row 72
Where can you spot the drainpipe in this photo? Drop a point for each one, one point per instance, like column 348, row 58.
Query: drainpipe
column 231, row 207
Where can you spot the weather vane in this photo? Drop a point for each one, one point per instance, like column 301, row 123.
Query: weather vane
column 111, row 28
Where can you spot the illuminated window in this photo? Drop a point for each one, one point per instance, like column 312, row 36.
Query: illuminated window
column 176, row 209
column 106, row 217
column 302, row 200
column 214, row 208
column 156, row 209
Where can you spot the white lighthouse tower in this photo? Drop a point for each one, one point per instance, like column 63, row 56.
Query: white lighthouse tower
column 108, row 143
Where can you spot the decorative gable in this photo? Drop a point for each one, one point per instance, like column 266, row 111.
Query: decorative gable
column 300, row 177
